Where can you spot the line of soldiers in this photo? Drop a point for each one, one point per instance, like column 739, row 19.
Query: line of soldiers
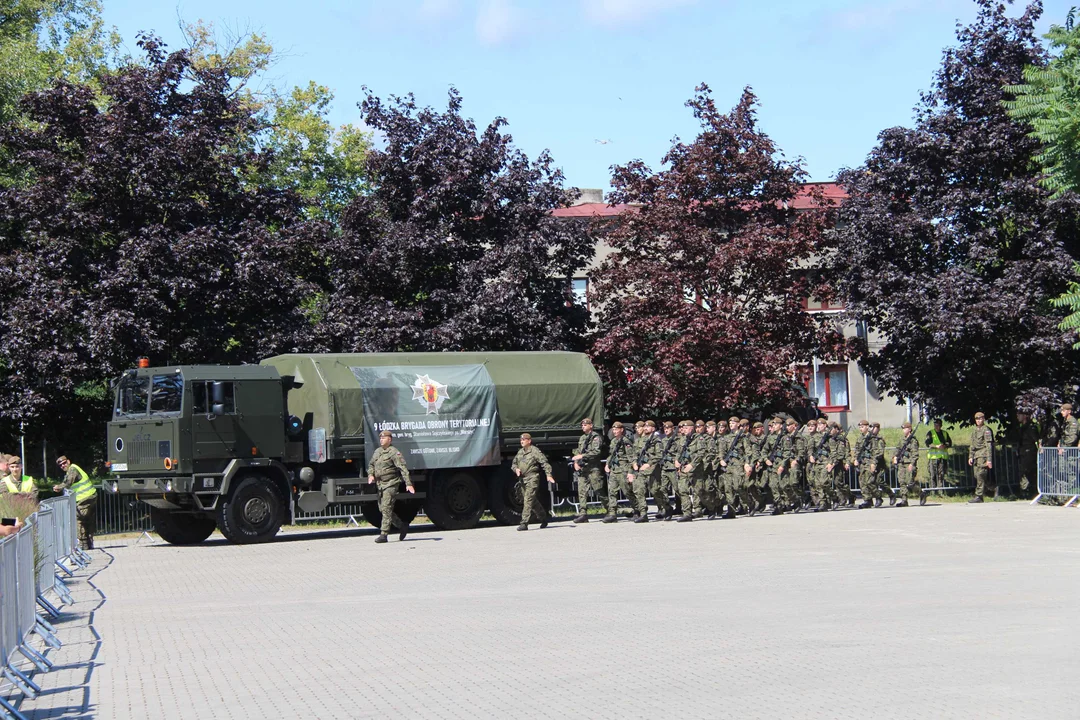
column 738, row 467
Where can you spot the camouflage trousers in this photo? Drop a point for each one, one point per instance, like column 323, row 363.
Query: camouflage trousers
column 908, row 480
column 86, row 514
column 937, row 469
column 708, row 493
column 685, row 489
column 617, row 483
column 841, row 489
column 984, row 483
column 784, row 491
column 735, row 485
column 661, row 490
column 590, row 479
column 823, row 487
column 531, row 507
column 1028, row 471
column 870, row 483
column 388, row 490
column 755, row 487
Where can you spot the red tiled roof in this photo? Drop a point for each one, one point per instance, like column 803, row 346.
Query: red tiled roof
column 594, row 210
column 829, row 190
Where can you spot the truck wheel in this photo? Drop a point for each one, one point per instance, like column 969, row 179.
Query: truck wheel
column 455, row 502
column 181, row 528
column 406, row 510
column 505, row 498
column 253, row 513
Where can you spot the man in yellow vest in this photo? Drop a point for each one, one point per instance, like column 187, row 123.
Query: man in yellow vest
column 938, row 443
column 78, row 482
column 16, row 482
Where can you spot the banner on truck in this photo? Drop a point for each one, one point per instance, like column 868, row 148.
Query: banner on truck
column 443, row 416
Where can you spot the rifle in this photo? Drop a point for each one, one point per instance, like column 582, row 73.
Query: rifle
column 615, row 448
column 645, row 451
column 667, row 449
column 734, row 444
column 903, row 448
column 776, row 447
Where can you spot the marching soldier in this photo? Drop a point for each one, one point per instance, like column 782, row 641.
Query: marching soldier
column 771, row 462
column 782, row 470
column 706, row 496
column 799, row 453
column 864, row 459
column 388, row 468
column 587, row 463
column 646, row 475
column 617, row 465
column 528, row 464
column 733, row 464
column 669, row 448
column 753, row 465
column 688, row 464
column 723, row 445
column 981, row 455
column 883, row 483
column 838, row 465
column 906, row 460
column 815, row 442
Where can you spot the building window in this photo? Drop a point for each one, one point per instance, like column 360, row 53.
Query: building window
column 812, row 304
column 579, row 288
column 830, row 387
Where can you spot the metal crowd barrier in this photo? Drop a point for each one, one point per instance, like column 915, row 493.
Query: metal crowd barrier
column 1059, row 474
column 29, row 561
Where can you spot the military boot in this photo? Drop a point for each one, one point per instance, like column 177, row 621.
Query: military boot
column 865, row 504
column 877, row 502
column 685, row 518
column 976, row 499
column 642, row 518
column 922, row 498
column 902, row 503
column 381, row 539
column 522, row 527
column 610, row 518
column 543, row 524
column 582, row 518
column 403, row 533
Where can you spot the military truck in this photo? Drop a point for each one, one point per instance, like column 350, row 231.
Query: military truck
column 244, row 449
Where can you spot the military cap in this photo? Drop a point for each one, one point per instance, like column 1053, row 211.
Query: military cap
column 1067, row 406
column 699, row 423
column 834, row 425
column 526, row 436
column 734, row 419
column 616, row 424
column 386, row 433
column 686, row 423
column 710, row 423
column 792, row 421
column 823, row 420
column 777, row 421
column 650, row 423
column 587, row 421
column 758, row 424
column 13, row 459
column 668, row 424
column 744, row 421
column 876, row 426
column 864, row 423
column 908, row 425
column 639, row 423
column 980, row 416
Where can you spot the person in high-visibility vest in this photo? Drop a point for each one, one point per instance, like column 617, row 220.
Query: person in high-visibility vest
column 16, row 482
column 938, row 444
column 78, row 483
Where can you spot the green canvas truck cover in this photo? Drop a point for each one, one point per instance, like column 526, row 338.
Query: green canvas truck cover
column 536, row 391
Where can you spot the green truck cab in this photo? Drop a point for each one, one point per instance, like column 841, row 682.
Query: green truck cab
column 247, row 448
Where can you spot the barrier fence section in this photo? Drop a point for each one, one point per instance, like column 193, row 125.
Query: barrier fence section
column 29, row 561
column 1059, row 474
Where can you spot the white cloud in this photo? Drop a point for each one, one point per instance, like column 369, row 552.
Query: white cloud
column 625, row 12
column 497, row 21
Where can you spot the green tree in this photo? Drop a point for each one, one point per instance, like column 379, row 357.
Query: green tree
column 1049, row 102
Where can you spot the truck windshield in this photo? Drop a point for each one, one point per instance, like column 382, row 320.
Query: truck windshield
column 167, row 393
column 132, row 396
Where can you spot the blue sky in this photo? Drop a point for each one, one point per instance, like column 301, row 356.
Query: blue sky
column 569, row 73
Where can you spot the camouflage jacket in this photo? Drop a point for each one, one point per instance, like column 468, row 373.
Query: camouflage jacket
column 387, row 463
column 1070, row 432
column 621, row 455
column 839, row 450
column 531, row 461
column 908, row 452
column 669, row 448
column 590, row 446
column 981, row 449
column 864, row 449
column 723, row 445
column 648, row 454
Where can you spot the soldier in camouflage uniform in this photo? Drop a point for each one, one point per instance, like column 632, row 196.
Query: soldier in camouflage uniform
column 587, row 463
column 863, row 458
column 646, row 475
column 906, row 461
column 1070, row 428
column 618, row 464
column 689, row 462
column 835, row 480
column 779, row 468
column 669, row 448
column 770, row 461
column 753, row 466
column 814, row 451
column 732, row 464
column 981, row 457
column 797, row 467
column 387, row 467
column 528, row 465
column 723, row 444
column 706, row 498
column 1025, row 435
column 883, row 482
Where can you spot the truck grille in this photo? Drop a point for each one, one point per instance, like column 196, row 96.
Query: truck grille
column 147, row 451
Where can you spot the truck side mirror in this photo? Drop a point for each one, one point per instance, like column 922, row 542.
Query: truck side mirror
column 218, row 393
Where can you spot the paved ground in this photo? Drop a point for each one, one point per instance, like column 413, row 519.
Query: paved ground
column 944, row 611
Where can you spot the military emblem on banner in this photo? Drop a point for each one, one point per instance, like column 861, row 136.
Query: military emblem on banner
column 429, row 393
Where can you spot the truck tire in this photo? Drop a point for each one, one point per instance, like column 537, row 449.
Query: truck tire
column 406, row 510
column 181, row 528
column 455, row 502
column 504, row 499
column 253, row 512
